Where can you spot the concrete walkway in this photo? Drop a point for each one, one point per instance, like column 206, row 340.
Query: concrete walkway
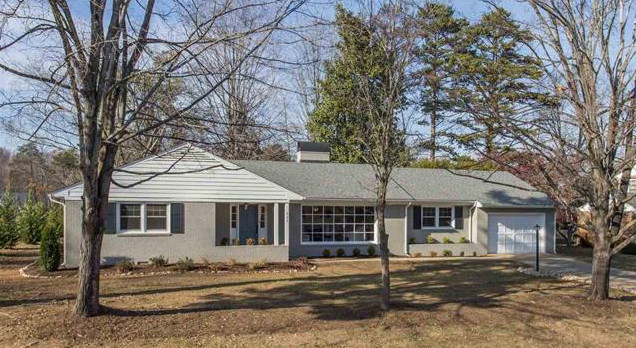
column 619, row 279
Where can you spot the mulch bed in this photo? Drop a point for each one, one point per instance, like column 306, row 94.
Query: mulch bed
column 33, row 270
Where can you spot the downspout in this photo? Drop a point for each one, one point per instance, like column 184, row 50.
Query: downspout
column 406, row 228
column 60, row 202
column 470, row 221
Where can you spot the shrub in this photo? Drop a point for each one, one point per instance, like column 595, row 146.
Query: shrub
column 257, row 265
column 50, row 247
column 9, row 235
column 340, row 252
column 231, row 262
column 31, row 221
column 124, row 266
column 250, row 241
column 236, row 241
column 224, row 241
column 418, row 254
column 412, row 240
column 262, row 241
column 464, row 240
column 430, row 240
column 159, row 261
column 356, row 252
column 185, row 264
column 371, row 250
column 474, row 254
column 461, row 253
column 447, row 253
column 326, row 253
column 433, row 253
column 447, row 241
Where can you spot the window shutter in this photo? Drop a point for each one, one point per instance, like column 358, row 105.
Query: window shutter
column 417, row 217
column 177, row 218
column 111, row 216
column 459, row 217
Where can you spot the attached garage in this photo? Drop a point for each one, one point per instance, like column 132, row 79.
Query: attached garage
column 514, row 233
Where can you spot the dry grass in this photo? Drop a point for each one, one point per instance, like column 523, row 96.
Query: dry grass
column 471, row 302
column 625, row 262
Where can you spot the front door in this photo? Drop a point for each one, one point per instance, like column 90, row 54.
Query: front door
column 248, row 222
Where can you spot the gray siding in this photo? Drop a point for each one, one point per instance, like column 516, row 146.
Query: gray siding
column 197, row 242
column 482, row 224
column 394, row 224
column 454, row 235
column 222, row 223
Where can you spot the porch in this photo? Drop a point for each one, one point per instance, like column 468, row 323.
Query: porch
column 252, row 224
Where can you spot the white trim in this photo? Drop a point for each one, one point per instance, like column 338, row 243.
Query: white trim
column 276, row 224
column 542, row 232
column 287, row 223
column 234, row 230
column 262, row 213
column 143, row 216
column 375, row 227
column 437, row 226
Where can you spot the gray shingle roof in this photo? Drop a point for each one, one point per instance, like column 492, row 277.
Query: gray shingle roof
column 356, row 181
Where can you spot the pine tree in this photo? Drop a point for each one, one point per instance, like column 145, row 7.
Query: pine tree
column 50, row 247
column 496, row 79
column 438, row 31
column 337, row 119
column 8, row 213
column 31, row 221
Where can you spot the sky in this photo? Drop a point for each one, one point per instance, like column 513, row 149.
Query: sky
column 470, row 9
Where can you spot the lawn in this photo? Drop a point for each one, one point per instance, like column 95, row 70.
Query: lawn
column 626, row 262
column 463, row 302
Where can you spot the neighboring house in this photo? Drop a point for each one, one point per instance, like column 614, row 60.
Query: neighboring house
column 301, row 208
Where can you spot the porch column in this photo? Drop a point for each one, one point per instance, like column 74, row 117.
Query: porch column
column 276, row 224
column 287, row 224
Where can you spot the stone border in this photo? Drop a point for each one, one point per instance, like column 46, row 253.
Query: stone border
column 24, row 273
column 568, row 276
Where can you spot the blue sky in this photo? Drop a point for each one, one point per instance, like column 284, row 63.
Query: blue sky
column 470, row 9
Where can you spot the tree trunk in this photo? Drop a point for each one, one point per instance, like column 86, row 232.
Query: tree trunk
column 384, row 258
column 433, row 135
column 601, row 264
column 87, row 303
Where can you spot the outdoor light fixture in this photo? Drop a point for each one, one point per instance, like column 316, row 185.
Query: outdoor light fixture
column 536, row 242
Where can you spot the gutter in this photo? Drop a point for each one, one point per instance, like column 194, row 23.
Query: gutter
column 63, row 204
column 406, row 228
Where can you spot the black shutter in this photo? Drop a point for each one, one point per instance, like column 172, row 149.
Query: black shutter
column 417, row 217
column 459, row 217
column 176, row 218
column 111, row 216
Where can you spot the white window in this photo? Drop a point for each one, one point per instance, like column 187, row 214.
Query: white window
column 338, row 224
column 233, row 216
column 438, row 217
column 130, row 217
column 141, row 217
column 156, row 217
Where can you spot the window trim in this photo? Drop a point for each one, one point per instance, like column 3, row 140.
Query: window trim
column 375, row 226
column 437, row 226
column 142, row 231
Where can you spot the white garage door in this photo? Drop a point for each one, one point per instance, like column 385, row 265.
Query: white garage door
column 515, row 233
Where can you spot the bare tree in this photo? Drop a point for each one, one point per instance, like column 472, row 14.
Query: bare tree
column 82, row 83
column 584, row 147
column 380, row 95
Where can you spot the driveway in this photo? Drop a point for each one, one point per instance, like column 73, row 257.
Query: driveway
column 619, row 279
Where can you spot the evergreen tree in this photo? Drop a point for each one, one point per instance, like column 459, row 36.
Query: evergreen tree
column 338, row 119
column 497, row 80
column 438, row 31
column 8, row 213
column 50, row 247
column 31, row 221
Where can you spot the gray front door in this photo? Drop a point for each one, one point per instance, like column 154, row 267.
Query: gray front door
column 248, row 222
